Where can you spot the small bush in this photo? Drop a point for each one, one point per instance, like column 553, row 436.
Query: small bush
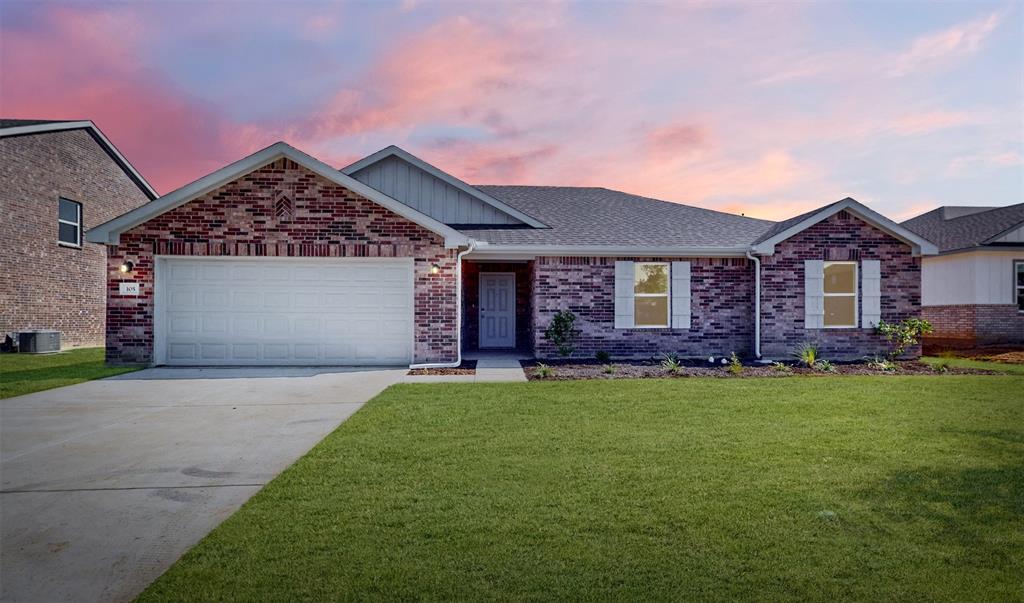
column 903, row 334
column 824, row 366
column 782, row 367
column 735, row 366
column 941, row 367
column 881, row 364
column 807, row 354
column 608, row 369
column 603, row 357
column 670, row 362
column 544, row 371
column 562, row 332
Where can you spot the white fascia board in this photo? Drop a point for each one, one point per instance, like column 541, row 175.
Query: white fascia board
column 444, row 176
column 86, row 125
column 919, row 245
column 109, row 232
column 486, row 250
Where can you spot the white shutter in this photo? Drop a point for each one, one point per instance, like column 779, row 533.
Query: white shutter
column 624, row 295
column 814, row 294
column 871, row 293
column 680, row 295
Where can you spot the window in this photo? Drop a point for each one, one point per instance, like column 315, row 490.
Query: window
column 69, row 223
column 840, row 294
column 1018, row 268
column 650, row 294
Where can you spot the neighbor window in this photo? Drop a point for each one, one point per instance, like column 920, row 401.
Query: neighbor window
column 69, row 223
column 650, row 294
column 840, row 294
column 1018, row 268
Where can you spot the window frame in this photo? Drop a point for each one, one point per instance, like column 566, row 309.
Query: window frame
column 1018, row 289
column 667, row 295
column 77, row 225
column 855, row 295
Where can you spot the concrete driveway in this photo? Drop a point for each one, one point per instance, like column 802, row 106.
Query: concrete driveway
column 106, row 483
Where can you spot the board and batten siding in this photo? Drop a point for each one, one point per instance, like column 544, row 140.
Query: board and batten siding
column 429, row 194
column 976, row 277
column 1014, row 236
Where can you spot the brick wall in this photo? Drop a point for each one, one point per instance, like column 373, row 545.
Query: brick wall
column 971, row 324
column 722, row 294
column 47, row 286
column 842, row 237
column 240, row 219
column 471, row 302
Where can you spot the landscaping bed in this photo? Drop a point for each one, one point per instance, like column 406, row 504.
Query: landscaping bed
column 468, row 367
column 567, row 370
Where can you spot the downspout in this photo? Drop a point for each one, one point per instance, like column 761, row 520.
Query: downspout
column 757, row 304
column 458, row 316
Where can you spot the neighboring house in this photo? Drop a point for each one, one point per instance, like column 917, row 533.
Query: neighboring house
column 973, row 291
column 57, row 179
column 281, row 259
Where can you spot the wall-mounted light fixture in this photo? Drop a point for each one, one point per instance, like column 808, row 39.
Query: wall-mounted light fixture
column 435, row 269
column 127, row 266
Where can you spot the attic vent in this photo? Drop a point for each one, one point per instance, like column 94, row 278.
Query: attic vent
column 844, row 215
column 283, row 206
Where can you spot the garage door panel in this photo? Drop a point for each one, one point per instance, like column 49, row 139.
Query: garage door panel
column 328, row 311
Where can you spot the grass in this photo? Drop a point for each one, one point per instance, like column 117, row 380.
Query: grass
column 967, row 363
column 26, row 373
column 851, row 488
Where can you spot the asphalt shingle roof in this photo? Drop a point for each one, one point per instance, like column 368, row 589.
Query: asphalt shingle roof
column 963, row 232
column 17, row 123
column 589, row 216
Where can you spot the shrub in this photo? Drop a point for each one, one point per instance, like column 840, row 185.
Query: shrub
column 670, row 362
column 608, row 369
column 807, row 354
column 941, row 366
column 824, row 366
column 903, row 334
column 782, row 367
column 544, row 371
column 562, row 332
column 881, row 364
column 603, row 357
column 735, row 366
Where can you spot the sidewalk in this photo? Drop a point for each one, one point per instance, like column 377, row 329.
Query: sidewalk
column 491, row 367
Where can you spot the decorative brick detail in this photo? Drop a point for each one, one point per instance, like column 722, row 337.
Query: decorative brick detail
column 722, row 307
column 45, row 285
column 972, row 324
column 471, row 302
column 840, row 237
column 241, row 219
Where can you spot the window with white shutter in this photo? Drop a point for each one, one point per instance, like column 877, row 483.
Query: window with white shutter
column 814, row 294
column 871, row 293
column 680, row 295
column 624, row 275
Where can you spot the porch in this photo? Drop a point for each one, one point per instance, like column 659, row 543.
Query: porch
column 497, row 312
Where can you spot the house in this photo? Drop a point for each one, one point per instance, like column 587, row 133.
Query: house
column 279, row 258
column 57, row 179
column 973, row 291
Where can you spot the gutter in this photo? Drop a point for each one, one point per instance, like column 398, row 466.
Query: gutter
column 757, row 304
column 458, row 316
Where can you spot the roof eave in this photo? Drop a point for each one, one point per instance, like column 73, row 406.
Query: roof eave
column 485, row 249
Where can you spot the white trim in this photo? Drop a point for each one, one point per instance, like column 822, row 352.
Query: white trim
column 86, row 125
column 109, row 232
column 856, row 294
column 919, row 245
column 667, row 295
column 79, row 225
column 394, row 151
column 527, row 252
column 1017, row 288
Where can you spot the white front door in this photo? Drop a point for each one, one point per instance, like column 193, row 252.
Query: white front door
column 497, row 310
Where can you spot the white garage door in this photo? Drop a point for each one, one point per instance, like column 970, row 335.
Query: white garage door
column 327, row 311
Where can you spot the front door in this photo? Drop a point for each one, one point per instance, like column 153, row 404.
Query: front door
column 497, row 310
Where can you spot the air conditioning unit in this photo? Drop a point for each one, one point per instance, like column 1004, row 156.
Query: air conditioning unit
column 38, row 342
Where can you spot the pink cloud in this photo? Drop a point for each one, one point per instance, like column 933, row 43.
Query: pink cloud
column 922, row 123
column 666, row 142
column 950, row 44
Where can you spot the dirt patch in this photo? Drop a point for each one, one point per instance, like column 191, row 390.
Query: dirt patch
column 468, row 367
column 1005, row 354
column 568, row 370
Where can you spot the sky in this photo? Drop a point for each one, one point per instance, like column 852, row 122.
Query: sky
column 756, row 108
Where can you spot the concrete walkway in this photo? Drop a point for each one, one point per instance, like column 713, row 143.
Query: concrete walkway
column 490, row 367
column 106, row 483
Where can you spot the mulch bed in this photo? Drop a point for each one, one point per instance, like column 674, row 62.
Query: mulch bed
column 468, row 367
column 570, row 370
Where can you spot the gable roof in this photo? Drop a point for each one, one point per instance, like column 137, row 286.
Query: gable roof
column 109, row 232
column 24, row 127
column 957, row 228
column 475, row 192
column 765, row 244
column 603, row 220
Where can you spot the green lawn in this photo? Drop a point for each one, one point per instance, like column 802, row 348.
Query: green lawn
column 27, row 373
column 823, row 489
column 967, row 363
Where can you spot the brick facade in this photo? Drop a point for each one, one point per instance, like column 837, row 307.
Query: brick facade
column 471, row 297
column 971, row 324
column 46, row 285
column 722, row 308
column 241, row 218
column 841, row 237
